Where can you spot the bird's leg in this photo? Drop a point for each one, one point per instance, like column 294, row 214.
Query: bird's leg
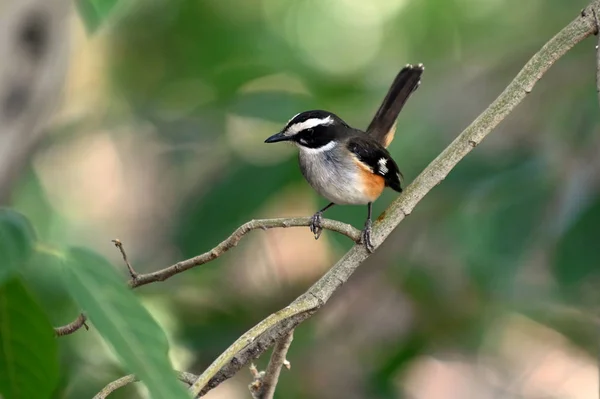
column 315, row 222
column 366, row 233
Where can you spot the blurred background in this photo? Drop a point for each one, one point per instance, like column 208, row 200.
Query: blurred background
column 488, row 289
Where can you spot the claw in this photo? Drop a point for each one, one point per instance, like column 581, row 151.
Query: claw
column 315, row 225
column 366, row 237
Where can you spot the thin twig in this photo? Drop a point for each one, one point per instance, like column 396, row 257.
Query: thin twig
column 263, row 386
column 188, row 378
column 235, row 238
column 119, row 245
column 72, row 326
column 230, row 242
column 257, row 376
column 260, row 337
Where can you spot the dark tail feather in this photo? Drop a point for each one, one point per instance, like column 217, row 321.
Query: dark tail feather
column 383, row 125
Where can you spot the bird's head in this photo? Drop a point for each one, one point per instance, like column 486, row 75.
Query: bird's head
column 315, row 129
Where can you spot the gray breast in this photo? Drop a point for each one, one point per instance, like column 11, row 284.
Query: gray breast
column 333, row 174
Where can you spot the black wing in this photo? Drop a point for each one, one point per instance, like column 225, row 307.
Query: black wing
column 383, row 125
column 376, row 157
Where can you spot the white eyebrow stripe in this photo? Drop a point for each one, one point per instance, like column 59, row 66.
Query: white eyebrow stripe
column 307, row 124
column 318, row 150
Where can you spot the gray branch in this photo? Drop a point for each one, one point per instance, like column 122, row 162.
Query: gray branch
column 234, row 239
column 259, row 338
column 596, row 13
column 231, row 241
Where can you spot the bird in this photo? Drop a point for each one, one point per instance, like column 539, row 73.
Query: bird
column 349, row 166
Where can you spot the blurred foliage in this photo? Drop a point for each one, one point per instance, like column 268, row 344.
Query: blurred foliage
column 28, row 349
column 202, row 220
column 94, row 12
column 16, row 241
column 171, row 159
column 131, row 331
column 497, row 226
column 575, row 261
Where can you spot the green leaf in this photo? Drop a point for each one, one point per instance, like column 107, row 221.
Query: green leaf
column 16, row 241
column 136, row 338
column 28, row 349
column 30, row 198
column 94, row 12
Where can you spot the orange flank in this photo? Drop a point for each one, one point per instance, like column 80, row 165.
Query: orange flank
column 373, row 184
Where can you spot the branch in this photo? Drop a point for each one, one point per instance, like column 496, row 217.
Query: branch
column 72, row 326
column 596, row 14
column 188, row 378
column 264, row 334
column 119, row 245
column 233, row 240
column 263, row 386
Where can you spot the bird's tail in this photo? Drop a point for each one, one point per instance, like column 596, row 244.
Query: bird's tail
column 383, row 125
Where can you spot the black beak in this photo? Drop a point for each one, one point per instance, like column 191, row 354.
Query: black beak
column 277, row 137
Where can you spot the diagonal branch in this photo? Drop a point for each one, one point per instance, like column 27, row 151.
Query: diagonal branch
column 233, row 240
column 267, row 332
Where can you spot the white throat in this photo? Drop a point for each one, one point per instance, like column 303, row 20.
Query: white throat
column 327, row 147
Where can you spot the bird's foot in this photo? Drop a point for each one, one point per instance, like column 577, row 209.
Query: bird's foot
column 366, row 236
column 315, row 224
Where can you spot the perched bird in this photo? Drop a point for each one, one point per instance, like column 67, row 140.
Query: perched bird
column 349, row 166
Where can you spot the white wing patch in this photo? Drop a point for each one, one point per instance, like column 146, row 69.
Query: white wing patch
column 383, row 169
column 308, row 124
